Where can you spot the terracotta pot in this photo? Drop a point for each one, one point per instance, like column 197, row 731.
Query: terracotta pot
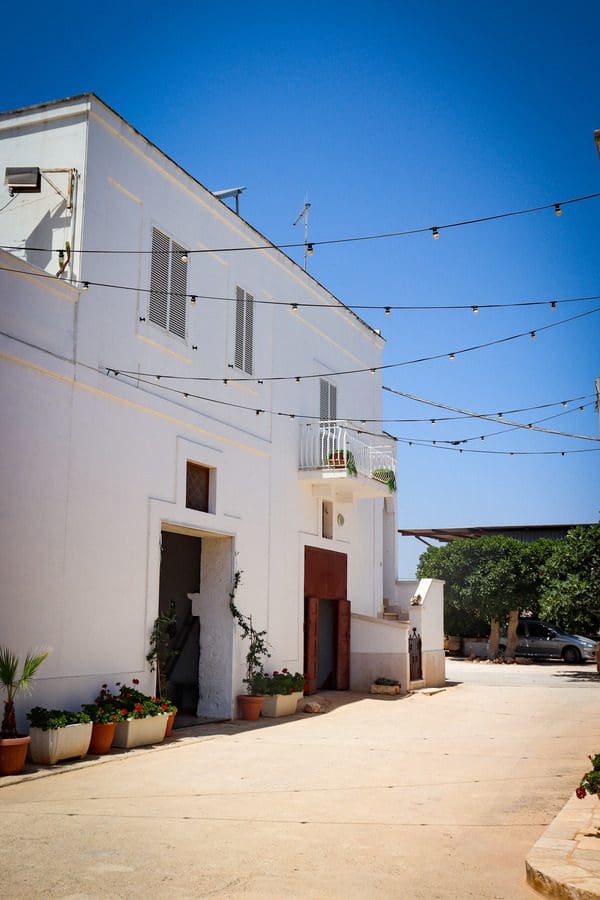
column 250, row 706
column 102, row 738
column 12, row 754
column 170, row 722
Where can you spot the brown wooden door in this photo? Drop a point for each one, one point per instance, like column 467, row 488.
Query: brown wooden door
column 325, row 579
column 311, row 632
column 343, row 646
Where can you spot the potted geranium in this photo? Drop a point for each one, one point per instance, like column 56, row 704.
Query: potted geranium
column 58, row 734
column 590, row 783
column 105, row 712
column 13, row 746
column 145, row 718
column 280, row 698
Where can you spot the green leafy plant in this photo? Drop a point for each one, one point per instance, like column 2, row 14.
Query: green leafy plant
column 136, row 705
column 47, row 719
column 258, row 646
column 103, row 715
column 283, row 682
column 343, row 459
column 14, row 683
column 590, row 783
column 386, row 476
column 161, row 653
column 388, row 682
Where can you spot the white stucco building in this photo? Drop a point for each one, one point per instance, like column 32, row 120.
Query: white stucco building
column 146, row 452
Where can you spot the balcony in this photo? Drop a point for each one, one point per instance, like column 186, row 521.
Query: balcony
column 343, row 463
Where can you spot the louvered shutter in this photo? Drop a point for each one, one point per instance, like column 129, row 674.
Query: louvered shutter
column 332, row 401
column 249, row 335
column 159, row 279
column 324, row 400
column 178, row 292
column 327, row 400
column 239, row 329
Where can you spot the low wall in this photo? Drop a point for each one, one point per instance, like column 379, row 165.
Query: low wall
column 434, row 668
column 379, row 649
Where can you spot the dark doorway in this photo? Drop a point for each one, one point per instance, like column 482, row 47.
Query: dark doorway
column 326, row 620
column 180, row 576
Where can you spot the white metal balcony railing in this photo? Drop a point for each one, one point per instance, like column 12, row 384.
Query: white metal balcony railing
column 336, row 445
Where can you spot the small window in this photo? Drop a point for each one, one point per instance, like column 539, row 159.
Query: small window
column 168, row 284
column 327, row 519
column 244, row 331
column 327, row 400
column 197, row 487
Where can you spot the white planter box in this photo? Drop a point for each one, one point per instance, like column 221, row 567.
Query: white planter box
column 279, row 705
column 139, row 732
column 48, row 747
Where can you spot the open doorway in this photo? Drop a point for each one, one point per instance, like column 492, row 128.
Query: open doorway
column 180, row 576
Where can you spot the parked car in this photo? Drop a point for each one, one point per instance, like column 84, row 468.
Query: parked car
column 546, row 641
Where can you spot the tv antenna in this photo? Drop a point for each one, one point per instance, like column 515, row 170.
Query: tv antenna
column 308, row 248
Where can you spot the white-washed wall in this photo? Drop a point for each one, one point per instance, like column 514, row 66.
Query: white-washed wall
column 95, row 463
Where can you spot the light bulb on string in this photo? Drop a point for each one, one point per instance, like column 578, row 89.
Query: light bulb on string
column 475, row 310
column 435, row 233
column 184, row 257
column 451, row 357
column 557, row 210
column 388, row 311
column 532, row 335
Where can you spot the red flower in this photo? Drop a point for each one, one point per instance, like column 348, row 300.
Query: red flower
column 284, row 670
column 581, row 792
column 163, row 706
column 104, row 686
column 138, row 707
column 275, row 673
column 135, row 680
column 123, row 712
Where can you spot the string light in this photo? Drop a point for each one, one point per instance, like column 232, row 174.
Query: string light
column 354, row 306
column 436, row 234
column 388, row 311
column 451, row 357
column 353, row 239
column 533, row 335
column 184, row 257
column 309, row 249
column 85, row 286
column 396, row 365
column 557, row 210
column 294, row 307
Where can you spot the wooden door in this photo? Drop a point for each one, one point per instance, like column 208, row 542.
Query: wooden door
column 311, row 633
column 325, row 579
column 343, row 646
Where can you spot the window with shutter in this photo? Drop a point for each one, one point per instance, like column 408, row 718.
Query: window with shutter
column 244, row 331
column 168, row 284
column 327, row 400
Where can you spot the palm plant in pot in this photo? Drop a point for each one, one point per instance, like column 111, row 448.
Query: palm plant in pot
column 13, row 747
column 251, row 702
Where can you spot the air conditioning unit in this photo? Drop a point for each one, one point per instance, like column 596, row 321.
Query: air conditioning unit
column 22, row 179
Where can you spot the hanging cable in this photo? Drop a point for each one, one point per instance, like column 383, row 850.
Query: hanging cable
column 295, row 305
column 371, row 369
column 429, row 229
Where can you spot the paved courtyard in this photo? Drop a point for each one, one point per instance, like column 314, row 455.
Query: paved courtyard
column 427, row 796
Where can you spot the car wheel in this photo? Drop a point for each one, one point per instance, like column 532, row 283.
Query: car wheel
column 571, row 655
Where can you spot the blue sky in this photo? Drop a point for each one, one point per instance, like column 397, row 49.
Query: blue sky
column 392, row 116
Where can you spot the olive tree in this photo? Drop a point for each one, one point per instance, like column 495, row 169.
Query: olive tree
column 570, row 586
column 488, row 578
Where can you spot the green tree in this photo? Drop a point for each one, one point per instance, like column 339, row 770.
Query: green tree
column 570, row 588
column 487, row 580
